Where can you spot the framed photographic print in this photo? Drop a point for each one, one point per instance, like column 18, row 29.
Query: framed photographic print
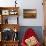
column 5, row 12
column 29, row 13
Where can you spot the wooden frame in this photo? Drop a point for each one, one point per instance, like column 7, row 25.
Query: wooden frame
column 5, row 24
column 29, row 13
column 10, row 26
column 5, row 12
column 8, row 10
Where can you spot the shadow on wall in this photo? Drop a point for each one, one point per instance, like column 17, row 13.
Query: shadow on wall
column 37, row 29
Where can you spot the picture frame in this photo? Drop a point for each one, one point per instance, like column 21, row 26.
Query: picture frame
column 5, row 12
column 29, row 13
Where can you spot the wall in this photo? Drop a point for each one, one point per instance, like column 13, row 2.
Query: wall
column 27, row 4
column 31, row 4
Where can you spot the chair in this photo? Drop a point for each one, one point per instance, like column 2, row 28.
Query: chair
column 28, row 34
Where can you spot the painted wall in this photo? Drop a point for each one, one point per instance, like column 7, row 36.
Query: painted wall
column 31, row 4
column 27, row 4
